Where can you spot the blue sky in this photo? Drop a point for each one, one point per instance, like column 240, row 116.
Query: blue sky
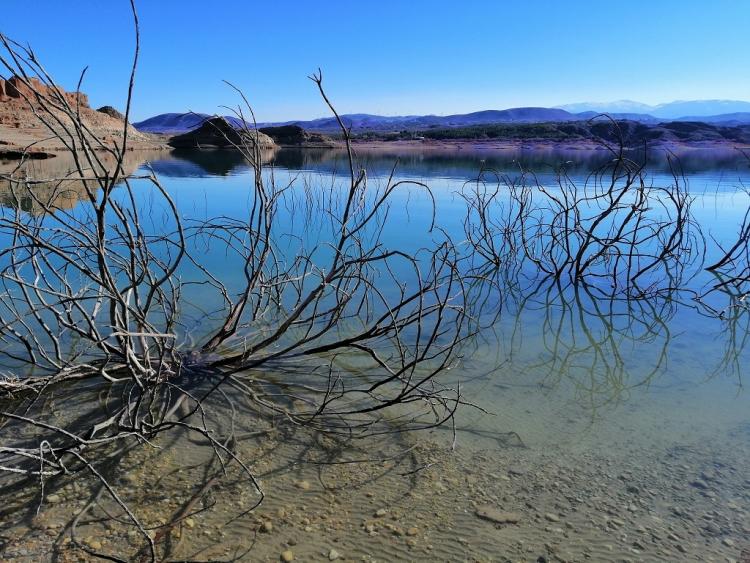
column 389, row 57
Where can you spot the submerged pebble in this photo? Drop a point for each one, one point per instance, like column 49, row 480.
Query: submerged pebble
column 497, row 516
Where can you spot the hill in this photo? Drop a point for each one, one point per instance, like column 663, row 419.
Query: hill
column 368, row 122
column 20, row 127
column 218, row 132
column 296, row 136
column 677, row 111
column 724, row 118
column 584, row 133
column 172, row 123
column 360, row 123
column 175, row 123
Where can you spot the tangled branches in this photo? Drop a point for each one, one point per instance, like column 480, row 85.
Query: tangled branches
column 616, row 232
column 331, row 317
column 732, row 267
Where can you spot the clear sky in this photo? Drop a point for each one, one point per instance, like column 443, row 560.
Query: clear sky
column 391, row 57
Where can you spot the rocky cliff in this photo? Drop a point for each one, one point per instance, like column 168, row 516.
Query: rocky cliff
column 16, row 89
column 112, row 112
column 20, row 127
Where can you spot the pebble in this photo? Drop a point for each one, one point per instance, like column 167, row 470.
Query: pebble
column 287, row 555
column 304, row 485
column 727, row 542
column 413, row 531
column 266, row 527
column 713, row 529
column 190, row 523
column 497, row 516
column 333, row 555
column 552, row 517
column 95, row 544
column 381, row 512
column 52, row 499
column 699, row 484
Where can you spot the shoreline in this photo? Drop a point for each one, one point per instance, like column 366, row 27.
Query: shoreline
column 11, row 152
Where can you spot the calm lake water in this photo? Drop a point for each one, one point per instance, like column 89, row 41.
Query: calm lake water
column 598, row 417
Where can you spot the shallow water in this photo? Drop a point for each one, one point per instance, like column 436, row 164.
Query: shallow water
column 615, row 429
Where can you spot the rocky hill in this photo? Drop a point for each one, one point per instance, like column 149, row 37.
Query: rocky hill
column 21, row 128
column 585, row 134
column 112, row 112
column 177, row 123
column 296, row 136
column 217, row 132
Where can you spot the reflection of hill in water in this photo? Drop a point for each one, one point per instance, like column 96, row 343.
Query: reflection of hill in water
column 465, row 163
column 453, row 163
column 54, row 184
column 193, row 163
column 59, row 195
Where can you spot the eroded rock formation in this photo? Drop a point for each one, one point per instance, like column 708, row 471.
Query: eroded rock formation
column 22, row 101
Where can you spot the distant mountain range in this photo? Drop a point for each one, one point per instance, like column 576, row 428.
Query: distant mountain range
column 677, row 111
column 725, row 112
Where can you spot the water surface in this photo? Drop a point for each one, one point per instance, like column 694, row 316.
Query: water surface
column 619, row 429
